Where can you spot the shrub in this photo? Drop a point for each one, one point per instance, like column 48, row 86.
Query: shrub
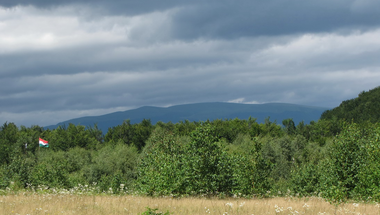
column 150, row 211
column 112, row 161
column 196, row 167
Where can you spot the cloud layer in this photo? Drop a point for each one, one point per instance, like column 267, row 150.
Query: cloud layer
column 66, row 59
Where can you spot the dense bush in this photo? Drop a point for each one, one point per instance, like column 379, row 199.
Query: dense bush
column 115, row 161
column 201, row 165
column 355, row 155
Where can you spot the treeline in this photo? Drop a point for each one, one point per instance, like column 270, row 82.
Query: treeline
column 220, row 157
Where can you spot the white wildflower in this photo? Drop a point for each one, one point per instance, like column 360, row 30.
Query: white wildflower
column 229, row 204
column 278, row 209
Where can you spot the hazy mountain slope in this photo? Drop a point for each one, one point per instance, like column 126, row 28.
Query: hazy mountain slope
column 202, row 112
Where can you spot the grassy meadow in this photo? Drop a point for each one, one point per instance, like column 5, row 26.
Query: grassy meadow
column 36, row 203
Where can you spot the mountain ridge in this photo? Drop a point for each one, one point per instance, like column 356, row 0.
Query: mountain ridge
column 201, row 112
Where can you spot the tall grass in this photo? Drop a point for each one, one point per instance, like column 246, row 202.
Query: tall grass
column 49, row 203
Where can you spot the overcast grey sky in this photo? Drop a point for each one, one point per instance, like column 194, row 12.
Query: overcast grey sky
column 64, row 59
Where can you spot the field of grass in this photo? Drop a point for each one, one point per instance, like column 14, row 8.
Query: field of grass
column 33, row 203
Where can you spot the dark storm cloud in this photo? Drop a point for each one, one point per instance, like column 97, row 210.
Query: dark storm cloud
column 110, row 59
column 67, row 59
column 109, row 6
column 244, row 18
column 261, row 18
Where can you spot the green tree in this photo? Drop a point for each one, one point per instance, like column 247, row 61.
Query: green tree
column 198, row 165
column 142, row 132
column 289, row 126
column 352, row 171
column 8, row 139
column 96, row 133
column 113, row 161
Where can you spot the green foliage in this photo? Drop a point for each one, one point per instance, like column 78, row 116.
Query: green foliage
column 131, row 134
column 200, row 166
column 63, row 139
column 159, row 171
column 95, row 133
column 351, row 170
column 361, row 109
column 50, row 174
column 305, row 179
column 229, row 129
column 150, row 211
column 114, row 183
column 348, row 157
column 184, row 128
column 361, row 166
column 209, row 165
column 8, row 138
column 112, row 161
column 251, row 171
column 16, row 173
column 278, row 152
column 77, row 158
column 4, row 178
column 289, row 126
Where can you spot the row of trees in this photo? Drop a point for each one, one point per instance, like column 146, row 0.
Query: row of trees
column 332, row 158
column 64, row 138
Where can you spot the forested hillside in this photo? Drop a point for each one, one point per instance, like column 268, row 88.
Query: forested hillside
column 363, row 108
column 331, row 157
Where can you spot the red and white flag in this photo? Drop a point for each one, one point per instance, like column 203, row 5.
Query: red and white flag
column 43, row 143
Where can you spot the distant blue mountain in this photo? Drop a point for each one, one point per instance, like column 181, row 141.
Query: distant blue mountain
column 202, row 112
